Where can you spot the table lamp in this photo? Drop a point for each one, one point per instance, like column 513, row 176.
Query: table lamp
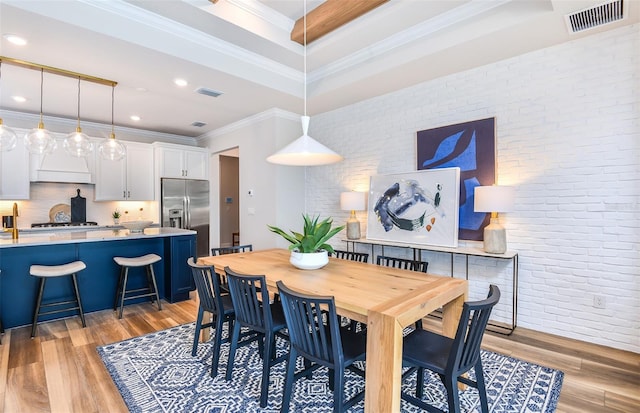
column 494, row 199
column 353, row 201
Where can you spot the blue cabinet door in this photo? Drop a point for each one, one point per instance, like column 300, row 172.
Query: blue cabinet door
column 178, row 278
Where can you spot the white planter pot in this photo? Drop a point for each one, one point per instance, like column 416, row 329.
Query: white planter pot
column 310, row 260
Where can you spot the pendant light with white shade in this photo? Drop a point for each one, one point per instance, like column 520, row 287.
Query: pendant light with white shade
column 77, row 143
column 305, row 151
column 112, row 149
column 39, row 140
column 8, row 137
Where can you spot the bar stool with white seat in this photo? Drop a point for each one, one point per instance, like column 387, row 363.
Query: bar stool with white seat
column 151, row 290
column 45, row 272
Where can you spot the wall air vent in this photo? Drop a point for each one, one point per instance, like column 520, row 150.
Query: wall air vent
column 596, row 16
column 208, row 92
column 198, row 124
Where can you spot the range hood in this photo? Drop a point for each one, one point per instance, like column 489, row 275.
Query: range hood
column 59, row 166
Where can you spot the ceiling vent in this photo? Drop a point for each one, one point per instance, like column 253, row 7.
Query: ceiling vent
column 198, row 124
column 596, row 16
column 208, row 92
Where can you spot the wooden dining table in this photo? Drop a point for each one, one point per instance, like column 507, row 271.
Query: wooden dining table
column 386, row 299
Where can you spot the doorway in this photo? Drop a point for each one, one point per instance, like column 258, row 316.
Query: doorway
column 229, row 198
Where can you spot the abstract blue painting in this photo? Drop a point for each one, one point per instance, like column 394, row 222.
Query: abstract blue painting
column 417, row 208
column 471, row 147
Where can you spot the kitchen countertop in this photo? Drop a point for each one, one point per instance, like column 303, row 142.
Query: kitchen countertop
column 64, row 235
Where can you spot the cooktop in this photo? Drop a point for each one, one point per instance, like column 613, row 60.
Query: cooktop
column 64, row 224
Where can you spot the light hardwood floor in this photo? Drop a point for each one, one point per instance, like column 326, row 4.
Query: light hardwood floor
column 60, row 370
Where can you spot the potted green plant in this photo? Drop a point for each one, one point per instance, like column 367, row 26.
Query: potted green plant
column 116, row 216
column 309, row 249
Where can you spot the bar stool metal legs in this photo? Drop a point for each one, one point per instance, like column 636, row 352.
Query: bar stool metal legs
column 49, row 271
column 151, row 290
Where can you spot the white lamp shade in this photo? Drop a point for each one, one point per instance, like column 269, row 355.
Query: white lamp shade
column 304, row 151
column 494, row 198
column 353, row 201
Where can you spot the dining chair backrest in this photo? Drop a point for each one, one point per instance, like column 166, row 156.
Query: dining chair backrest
column 231, row 250
column 312, row 323
column 465, row 351
column 212, row 301
column 403, row 263
column 207, row 286
column 250, row 300
column 351, row 255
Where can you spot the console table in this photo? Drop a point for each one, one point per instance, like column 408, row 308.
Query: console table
column 467, row 252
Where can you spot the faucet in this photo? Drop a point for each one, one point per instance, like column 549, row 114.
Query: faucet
column 14, row 230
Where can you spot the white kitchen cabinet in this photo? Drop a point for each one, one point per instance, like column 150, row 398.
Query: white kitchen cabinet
column 14, row 172
column 179, row 161
column 129, row 179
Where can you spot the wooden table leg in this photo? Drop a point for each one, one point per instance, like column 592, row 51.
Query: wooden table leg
column 451, row 316
column 450, row 319
column 384, row 364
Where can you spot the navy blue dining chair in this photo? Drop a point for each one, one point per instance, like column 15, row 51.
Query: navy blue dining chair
column 232, row 250
column 250, row 298
column 315, row 334
column 213, row 301
column 451, row 358
column 350, row 255
column 403, row 263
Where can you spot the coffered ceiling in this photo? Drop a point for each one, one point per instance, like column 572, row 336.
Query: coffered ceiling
column 243, row 48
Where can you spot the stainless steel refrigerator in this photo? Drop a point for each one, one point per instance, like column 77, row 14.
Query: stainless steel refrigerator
column 185, row 204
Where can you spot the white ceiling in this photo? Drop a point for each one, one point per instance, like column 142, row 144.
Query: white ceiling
column 242, row 48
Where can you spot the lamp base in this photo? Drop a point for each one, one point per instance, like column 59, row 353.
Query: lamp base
column 353, row 228
column 495, row 238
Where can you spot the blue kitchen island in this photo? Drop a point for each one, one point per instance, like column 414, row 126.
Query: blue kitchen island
column 97, row 283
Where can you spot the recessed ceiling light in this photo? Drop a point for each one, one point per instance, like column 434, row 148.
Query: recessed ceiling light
column 17, row 40
column 19, row 99
column 180, row 82
column 141, row 89
column 135, row 118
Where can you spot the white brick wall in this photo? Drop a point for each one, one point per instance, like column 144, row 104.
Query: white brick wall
column 568, row 137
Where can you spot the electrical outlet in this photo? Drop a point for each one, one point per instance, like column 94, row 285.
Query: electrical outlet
column 599, row 301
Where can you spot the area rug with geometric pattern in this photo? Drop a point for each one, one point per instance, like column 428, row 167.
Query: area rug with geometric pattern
column 156, row 373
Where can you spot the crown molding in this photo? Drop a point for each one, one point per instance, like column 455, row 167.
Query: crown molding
column 251, row 120
column 265, row 13
column 410, row 35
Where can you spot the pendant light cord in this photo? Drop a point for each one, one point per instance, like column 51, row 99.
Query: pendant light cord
column 78, row 101
column 113, row 90
column 305, row 57
column 41, row 91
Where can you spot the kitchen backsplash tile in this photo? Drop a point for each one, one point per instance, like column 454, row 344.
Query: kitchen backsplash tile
column 45, row 195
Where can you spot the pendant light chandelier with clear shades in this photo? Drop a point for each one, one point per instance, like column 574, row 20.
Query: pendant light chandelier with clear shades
column 110, row 148
column 8, row 137
column 305, row 151
column 77, row 143
column 39, row 140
